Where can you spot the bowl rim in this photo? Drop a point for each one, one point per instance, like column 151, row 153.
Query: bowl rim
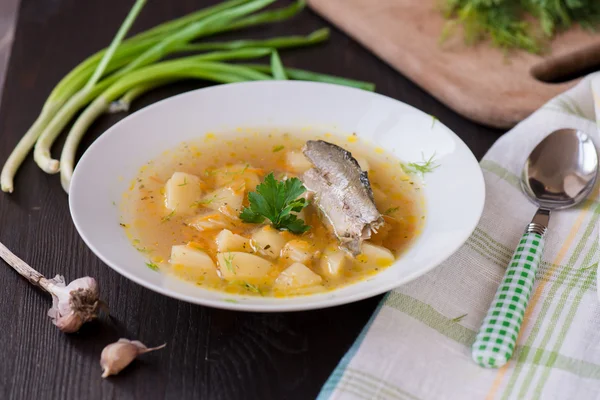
column 321, row 301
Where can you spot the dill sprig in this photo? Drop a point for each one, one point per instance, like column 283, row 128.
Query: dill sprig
column 152, row 266
column 522, row 24
column 391, row 210
column 229, row 262
column 421, row 167
column 252, row 288
column 168, row 216
column 458, row 319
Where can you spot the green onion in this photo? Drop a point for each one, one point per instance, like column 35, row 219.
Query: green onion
column 75, row 80
column 165, row 46
column 277, row 67
column 303, row 75
column 135, row 10
column 284, row 42
column 177, row 24
column 212, row 24
column 124, row 102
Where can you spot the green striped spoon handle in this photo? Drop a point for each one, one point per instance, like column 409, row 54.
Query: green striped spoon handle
column 496, row 340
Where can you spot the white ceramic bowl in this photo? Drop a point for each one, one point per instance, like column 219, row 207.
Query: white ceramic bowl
column 454, row 192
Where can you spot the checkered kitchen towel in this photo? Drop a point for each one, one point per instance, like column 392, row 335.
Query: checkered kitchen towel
column 418, row 343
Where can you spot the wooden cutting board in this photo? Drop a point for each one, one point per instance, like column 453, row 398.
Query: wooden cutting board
column 480, row 82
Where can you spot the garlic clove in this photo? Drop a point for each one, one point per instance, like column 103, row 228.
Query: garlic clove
column 116, row 356
column 68, row 323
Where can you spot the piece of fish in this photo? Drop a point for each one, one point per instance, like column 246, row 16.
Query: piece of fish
column 342, row 192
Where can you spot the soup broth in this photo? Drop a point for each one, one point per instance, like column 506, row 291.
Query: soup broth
column 182, row 212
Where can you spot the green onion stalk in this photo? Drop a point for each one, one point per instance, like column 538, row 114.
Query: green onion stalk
column 128, row 51
column 277, row 67
column 79, row 76
column 164, row 47
column 284, row 42
column 303, row 75
column 215, row 23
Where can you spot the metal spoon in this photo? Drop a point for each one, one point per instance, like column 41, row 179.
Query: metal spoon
column 559, row 173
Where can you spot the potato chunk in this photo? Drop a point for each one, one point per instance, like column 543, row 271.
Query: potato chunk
column 235, row 265
column 228, row 241
column 333, row 261
column 182, row 190
column 375, row 256
column 297, row 162
column 210, row 221
column 226, row 200
column 192, row 264
column 295, row 276
column 298, row 251
column 267, row 241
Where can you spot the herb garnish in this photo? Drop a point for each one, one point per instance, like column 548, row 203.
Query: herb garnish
column 422, row 167
column 391, row 210
column 184, row 181
column 278, row 148
column 252, row 288
column 168, row 216
column 240, row 172
column 152, row 266
column 517, row 23
column 459, row 318
column 229, row 262
column 205, row 201
column 275, row 201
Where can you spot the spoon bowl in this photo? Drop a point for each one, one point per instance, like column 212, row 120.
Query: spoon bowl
column 561, row 170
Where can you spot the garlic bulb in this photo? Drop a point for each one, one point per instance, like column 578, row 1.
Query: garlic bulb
column 120, row 354
column 72, row 305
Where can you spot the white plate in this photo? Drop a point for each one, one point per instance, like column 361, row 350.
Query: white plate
column 454, row 192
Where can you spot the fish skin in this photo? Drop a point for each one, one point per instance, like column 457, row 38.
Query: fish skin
column 342, row 192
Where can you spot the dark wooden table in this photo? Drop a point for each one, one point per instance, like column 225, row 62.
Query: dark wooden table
column 211, row 354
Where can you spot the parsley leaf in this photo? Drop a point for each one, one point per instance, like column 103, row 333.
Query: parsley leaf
column 276, row 200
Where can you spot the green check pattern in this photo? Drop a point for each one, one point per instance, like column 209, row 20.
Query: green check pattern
column 496, row 340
